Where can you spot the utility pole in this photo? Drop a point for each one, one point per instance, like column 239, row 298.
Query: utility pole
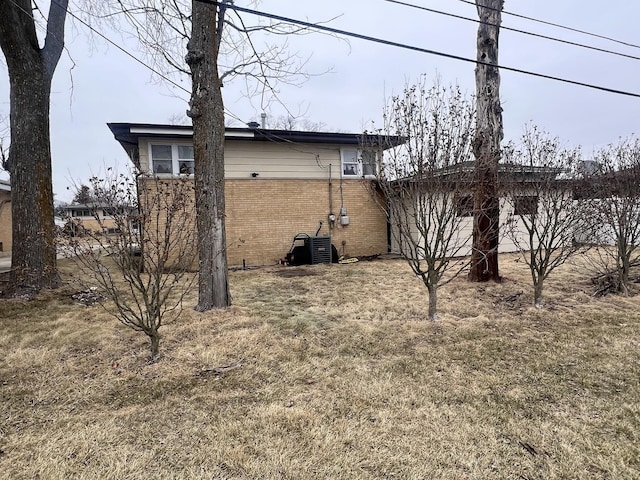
column 486, row 146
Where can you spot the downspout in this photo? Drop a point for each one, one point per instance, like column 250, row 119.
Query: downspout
column 341, row 192
column 331, row 216
column 330, row 192
column 387, row 205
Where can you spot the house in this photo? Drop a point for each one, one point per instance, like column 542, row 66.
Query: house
column 441, row 204
column 94, row 218
column 278, row 183
column 611, row 195
column 5, row 216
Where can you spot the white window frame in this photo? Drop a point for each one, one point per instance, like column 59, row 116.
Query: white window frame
column 345, row 154
column 175, row 160
column 82, row 213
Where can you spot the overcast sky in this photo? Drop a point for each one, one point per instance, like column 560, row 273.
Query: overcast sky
column 105, row 85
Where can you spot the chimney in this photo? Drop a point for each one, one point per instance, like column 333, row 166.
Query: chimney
column 263, row 117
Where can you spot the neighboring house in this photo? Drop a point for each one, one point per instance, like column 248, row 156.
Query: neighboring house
column 612, row 200
column 5, row 216
column 521, row 199
column 278, row 183
column 89, row 217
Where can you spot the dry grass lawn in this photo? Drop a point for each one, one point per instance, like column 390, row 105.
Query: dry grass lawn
column 340, row 377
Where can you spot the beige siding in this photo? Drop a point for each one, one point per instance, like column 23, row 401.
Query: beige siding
column 269, row 160
column 145, row 166
column 280, row 160
column 465, row 234
column 459, row 245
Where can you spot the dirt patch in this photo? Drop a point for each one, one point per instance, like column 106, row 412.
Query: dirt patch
column 296, row 272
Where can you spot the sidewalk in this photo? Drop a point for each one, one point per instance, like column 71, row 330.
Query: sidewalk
column 5, row 261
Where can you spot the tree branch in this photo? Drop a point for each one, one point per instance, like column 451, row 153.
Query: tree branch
column 54, row 41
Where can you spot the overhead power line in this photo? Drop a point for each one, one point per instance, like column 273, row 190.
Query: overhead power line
column 144, row 64
column 346, row 33
column 557, row 25
column 125, row 51
column 517, row 30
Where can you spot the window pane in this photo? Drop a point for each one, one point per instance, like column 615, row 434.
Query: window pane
column 350, row 169
column 185, row 151
column 368, row 163
column 525, row 205
column 350, row 156
column 161, row 152
column 162, row 166
column 368, row 169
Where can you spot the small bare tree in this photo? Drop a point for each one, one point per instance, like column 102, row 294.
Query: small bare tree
column 138, row 249
column 426, row 181
column 545, row 219
column 611, row 193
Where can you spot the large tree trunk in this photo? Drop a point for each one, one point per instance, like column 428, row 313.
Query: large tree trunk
column 207, row 113
column 33, row 263
column 486, row 146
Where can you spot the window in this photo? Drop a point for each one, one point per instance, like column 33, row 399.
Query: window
column 113, row 211
column 162, row 158
column 368, row 162
column 185, row 159
column 349, row 162
column 172, row 159
column 464, row 205
column 525, row 205
column 83, row 212
column 357, row 163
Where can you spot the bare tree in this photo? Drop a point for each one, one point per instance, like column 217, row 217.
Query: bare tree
column 31, row 68
column 138, row 249
column 289, row 122
column 545, row 221
column 611, row 193
column 486, row 145
column 220, row 45
column 427, row 181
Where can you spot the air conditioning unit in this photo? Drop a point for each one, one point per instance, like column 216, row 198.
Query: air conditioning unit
column 320, row 249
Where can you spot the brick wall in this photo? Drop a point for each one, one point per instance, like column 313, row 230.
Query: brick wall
column 263, row 216
column 5, row 220
column 94, row 225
